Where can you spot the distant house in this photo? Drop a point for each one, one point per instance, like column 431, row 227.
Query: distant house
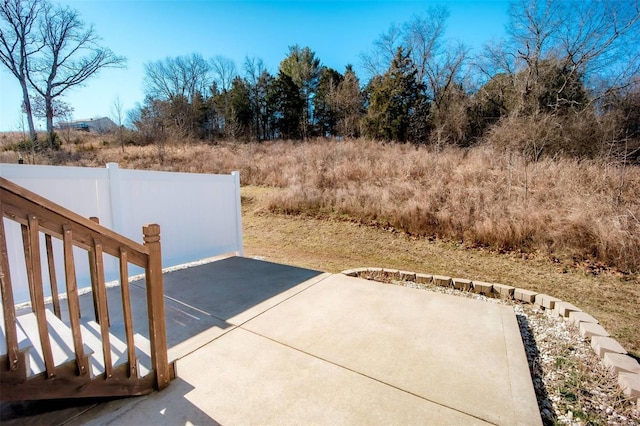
column 98, row 125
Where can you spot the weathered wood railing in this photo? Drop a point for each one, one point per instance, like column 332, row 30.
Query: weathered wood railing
column 37, row 215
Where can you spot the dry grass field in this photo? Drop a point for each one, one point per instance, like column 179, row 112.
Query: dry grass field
column 565, row 227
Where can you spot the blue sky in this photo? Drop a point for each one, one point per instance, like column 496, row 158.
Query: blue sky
column 150, row 30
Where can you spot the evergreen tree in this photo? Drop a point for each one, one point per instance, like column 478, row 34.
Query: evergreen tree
column 240, row 116
column 219, row 110
column 288, row 106
column 264, row 110
column 325, row 110
column 348, row 102
column 303, row 68
column 393, row 98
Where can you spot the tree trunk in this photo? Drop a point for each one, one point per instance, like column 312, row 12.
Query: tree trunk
column 27, row 110
column 48, row 101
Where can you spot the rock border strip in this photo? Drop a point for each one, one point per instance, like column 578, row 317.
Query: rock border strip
column 610, row 352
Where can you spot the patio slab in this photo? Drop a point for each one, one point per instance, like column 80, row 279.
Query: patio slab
column 258, row 342
column 253, row 380
column 460, row 353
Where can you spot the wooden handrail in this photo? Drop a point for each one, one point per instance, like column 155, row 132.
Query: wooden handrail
column 18, row 199
column 38, row 215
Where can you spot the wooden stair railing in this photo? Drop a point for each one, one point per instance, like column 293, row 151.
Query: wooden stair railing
column 72, row 378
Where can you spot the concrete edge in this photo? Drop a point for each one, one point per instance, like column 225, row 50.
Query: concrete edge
column 521, row 382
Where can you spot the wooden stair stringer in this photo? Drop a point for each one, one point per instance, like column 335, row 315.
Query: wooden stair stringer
column 67, row 384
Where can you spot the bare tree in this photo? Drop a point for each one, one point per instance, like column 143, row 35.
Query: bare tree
column 183, row 76
column 586, row 40
column 61, row 111
column 117, row 113
column 59, row 108
column 377, row 61
column 552, row 78
column 19, row 41
column 495, row 59
column 65, row 116
column 224, row 71
column 423, row 39
column 596, row 35
column 179, row 85
column 255, row 73
column 71, row 54
column 253, row 69
column 438, row 64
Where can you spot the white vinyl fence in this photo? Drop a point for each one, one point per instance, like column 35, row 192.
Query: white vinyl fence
column 199, row 215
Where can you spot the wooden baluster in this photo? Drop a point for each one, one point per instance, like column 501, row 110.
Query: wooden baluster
column 92, row 273
column 103, row 315
column 27, row 261
column 9, row 311
column 72, row 299
column 55, row 297
column 155, row 306
column 126, row 311
column 38, row 296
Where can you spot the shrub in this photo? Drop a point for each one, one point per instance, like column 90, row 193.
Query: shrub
column 21, row 146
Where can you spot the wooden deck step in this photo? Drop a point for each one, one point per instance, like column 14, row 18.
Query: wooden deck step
column 62, row 345
column 23, row 341
column 91, row 336
column 59, row 335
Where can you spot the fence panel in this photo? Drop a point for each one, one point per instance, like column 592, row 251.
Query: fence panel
column 199, row 214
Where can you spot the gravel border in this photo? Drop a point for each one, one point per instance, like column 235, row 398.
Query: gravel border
column 572, row 385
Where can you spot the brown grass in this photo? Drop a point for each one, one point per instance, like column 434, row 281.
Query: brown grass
column 576, row 212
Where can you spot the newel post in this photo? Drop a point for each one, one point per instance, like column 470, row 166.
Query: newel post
column 155, row 305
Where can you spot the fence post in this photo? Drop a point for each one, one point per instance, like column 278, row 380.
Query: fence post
column 155, row 306
column 238, row 212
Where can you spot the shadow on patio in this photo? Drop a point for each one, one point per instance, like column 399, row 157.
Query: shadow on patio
column 201, row 303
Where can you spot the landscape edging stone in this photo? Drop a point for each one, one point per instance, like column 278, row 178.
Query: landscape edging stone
column 601, row 343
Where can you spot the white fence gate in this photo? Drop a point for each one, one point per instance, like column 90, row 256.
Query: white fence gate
column 199, row 215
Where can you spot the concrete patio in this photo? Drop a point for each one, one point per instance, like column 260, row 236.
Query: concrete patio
column 258, row 342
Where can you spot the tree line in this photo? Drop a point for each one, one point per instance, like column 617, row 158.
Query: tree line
column 189, row 96
column 565, row 80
